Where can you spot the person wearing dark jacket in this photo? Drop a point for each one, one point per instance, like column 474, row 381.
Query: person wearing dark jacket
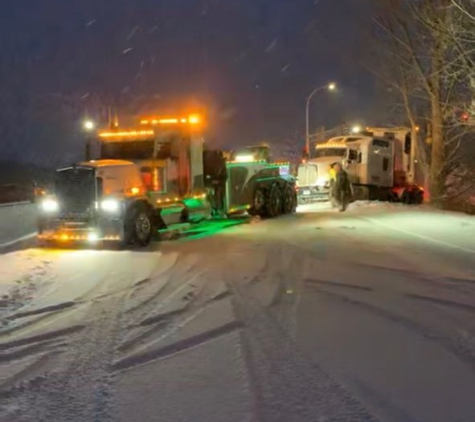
column 341, row 189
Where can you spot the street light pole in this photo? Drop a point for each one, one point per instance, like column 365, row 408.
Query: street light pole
column 330, row 87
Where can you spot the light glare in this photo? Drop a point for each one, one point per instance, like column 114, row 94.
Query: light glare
column 89, row 125
column 49, row 205
column 92, row 237
column 110, row 205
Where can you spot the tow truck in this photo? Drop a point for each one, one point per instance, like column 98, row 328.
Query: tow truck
column 378, row 163
column 155, row 176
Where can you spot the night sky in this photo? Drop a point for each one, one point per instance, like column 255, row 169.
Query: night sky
column 249, row 63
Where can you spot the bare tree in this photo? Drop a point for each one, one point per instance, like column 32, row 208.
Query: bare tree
column 425, row 51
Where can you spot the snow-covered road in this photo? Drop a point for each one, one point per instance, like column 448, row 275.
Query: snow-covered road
column 366, row 315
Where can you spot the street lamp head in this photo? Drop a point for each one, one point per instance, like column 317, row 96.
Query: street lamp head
column 332, row 86
column 89, row 125
column 356, row 129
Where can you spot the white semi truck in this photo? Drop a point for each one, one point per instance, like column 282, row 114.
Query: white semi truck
column 379, row 163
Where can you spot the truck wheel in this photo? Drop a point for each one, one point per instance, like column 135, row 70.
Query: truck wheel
column 288, row 202
column 258, row 203
column 406, row 197
column 139, row 226
column 418, row 196
column 274, row 201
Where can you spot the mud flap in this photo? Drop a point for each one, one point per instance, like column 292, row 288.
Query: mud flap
column 158, row 222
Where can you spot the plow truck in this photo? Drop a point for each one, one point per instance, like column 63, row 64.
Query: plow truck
column 156, row 176
column 378, row 163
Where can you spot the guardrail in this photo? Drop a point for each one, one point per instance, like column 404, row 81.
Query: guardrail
column 14, row 204
column 17, row 222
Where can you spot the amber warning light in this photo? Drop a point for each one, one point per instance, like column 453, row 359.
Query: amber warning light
column 193, row 119
column 126, row 134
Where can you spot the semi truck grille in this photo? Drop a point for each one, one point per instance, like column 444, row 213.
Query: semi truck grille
column 76, row 190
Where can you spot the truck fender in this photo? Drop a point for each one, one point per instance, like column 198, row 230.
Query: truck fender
column 157, row 219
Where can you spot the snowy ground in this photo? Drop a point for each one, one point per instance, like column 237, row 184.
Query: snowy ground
column 366, row 315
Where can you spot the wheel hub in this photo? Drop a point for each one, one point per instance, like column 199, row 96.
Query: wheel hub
column 143, row 226
column 259, row 200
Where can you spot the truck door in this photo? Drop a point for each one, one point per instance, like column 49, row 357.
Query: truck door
column 353, row 164
column 380, row 163
column 237, row 178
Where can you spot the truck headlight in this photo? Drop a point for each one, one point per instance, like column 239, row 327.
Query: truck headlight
column 110, row 205
column 92, row 237
column 49, row 205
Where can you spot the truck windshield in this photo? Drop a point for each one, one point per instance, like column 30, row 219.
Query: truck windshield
column 330, row 152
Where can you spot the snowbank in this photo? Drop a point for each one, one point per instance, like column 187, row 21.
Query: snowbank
column 461, row 190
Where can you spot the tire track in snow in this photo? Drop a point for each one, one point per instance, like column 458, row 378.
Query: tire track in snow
column 165, row 324
column 313, row 281
column 41, row 337
column 286, row 385
column 25, row 351
column 440, row 301
column 83, row 383
column 46, row 309
column 78, row 387
column 179, row 270
column 464, row 354
column 414, row 277
column 15, row 384
column 177, row 347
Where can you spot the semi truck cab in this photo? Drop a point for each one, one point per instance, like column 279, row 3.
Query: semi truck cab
column 102, row 200
column 378, row 163
column 313, row 176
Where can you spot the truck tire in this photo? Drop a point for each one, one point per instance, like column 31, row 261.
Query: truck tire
column 258, row 203
column 418, row 197
column 288, row 200
column 139, row 227
column 273, row 201
column 406, row 197
column 362, row 193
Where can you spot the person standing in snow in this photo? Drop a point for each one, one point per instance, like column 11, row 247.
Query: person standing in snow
column 332, row 174
column 341, row 189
